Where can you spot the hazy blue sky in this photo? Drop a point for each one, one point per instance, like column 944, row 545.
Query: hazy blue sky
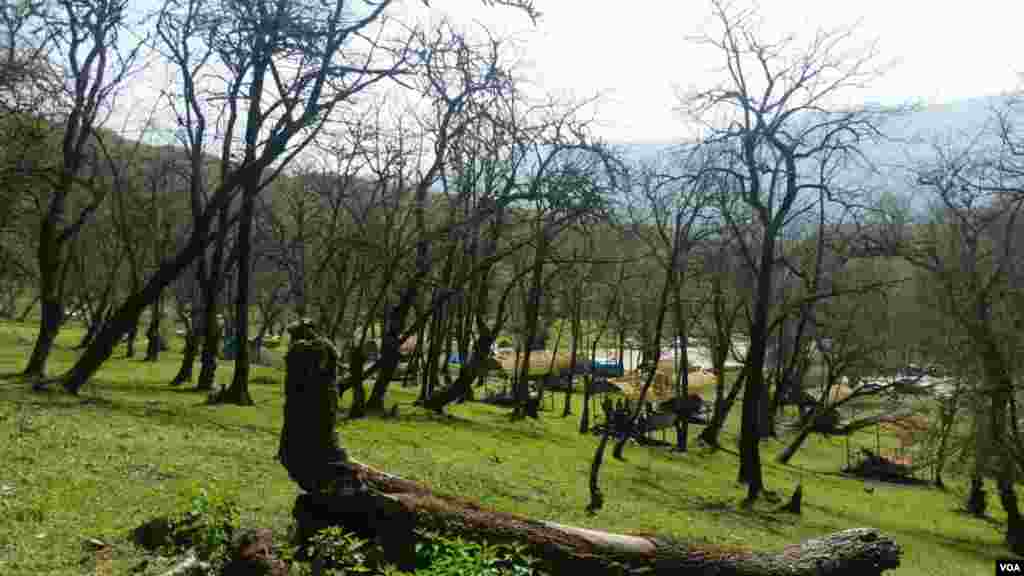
column 640, row 55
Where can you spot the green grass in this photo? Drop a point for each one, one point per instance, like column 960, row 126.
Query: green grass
column 130, row 448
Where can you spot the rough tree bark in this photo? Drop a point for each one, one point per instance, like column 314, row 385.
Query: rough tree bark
column 568, row 549
column 238, row 392
column 710, row 434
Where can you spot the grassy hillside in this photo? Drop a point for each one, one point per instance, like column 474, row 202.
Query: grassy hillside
column 130, row 448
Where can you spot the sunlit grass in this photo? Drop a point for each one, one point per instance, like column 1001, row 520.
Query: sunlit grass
column 131, row 448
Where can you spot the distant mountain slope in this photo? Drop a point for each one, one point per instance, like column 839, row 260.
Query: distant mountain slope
column 911, row 141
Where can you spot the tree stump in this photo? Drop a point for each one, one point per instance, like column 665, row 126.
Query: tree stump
column 309, row 450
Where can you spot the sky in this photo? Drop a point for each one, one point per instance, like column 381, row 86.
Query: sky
column 639, row 57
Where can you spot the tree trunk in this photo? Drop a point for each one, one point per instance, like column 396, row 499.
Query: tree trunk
column 532, row 314
column 390, row 353
column 49, row 324
column 154, row 341
column 127, row 315
column 192, row 324
column 188, row 358
column 482, row 349
column 467, row 374
column 358, row 407
column 976, row 498
column 949, row 410
column 356, row 365
column 211, row 347
column 710, row 434
column 238, row 392
column 753, row 393
column 797, row 442
column 596, row 497
column 565, row 549
column 795, row 502
column 133, row 331
column 659, row 325
column 682, row 425
column 90, row 332
column 434, row 349
column 28, row 309
column 585, row 416
column 213, row 336
column 1002, row 389
column 48, row 258
column 573, row 352
column 1008, row 498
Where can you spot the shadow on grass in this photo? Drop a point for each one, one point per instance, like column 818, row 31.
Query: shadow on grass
column 979, row 549
column 179, row 415
column 499, row 429
column 16, row 377
column 985, row 553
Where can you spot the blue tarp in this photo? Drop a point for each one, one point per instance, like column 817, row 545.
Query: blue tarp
column 609, row 368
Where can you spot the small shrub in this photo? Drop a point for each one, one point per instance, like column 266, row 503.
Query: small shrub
column 438, row 555
column 337, row 552
column 206, row 526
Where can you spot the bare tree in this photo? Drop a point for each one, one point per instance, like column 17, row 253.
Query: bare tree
column 676, row 198
column 88, row 36
column 276, row 130
column 779, row 140
column 970, row 250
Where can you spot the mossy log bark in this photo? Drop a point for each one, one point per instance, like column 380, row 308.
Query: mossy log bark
column 854, row 552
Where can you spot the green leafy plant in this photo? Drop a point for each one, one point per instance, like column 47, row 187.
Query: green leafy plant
column 208, row 524
column 336, row 552
column 439, row 555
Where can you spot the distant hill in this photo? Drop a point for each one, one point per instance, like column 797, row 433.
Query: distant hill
column 911, row 140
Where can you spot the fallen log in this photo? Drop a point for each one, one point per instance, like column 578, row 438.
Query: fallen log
column 566, row 549
column 340, row 491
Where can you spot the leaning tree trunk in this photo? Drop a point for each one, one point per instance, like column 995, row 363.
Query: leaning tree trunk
column 95, row 321
column 805, row 432
column 469, row 372
column 565, row 549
